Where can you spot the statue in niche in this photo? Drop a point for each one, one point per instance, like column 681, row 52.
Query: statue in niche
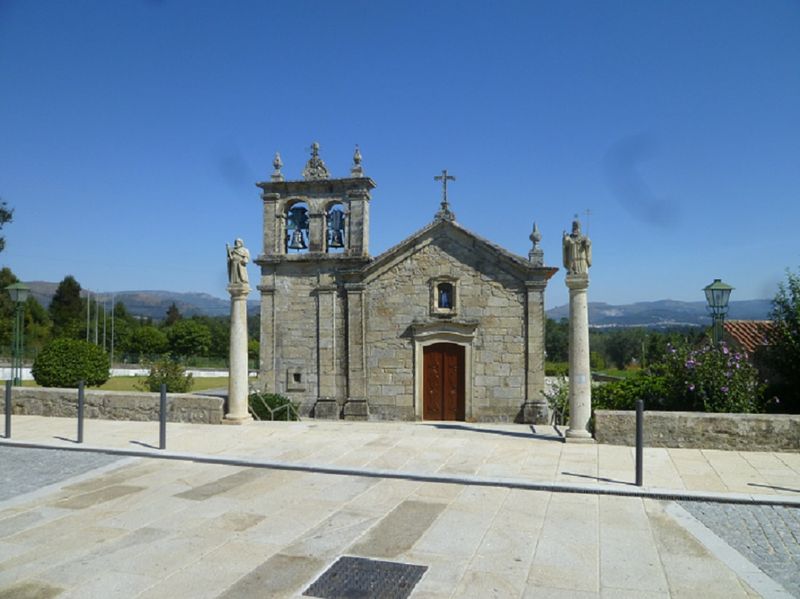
column 335, row 228
column 577, row 250
column 238, row 257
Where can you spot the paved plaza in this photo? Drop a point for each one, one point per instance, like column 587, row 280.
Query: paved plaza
column 265, row 509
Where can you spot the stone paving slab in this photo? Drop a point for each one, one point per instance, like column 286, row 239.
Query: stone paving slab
column 190, row 527
column 489, row 450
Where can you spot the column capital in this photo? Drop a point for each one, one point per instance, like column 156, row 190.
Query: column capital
column 238, row 290
column 578, row 281
column 539, row 286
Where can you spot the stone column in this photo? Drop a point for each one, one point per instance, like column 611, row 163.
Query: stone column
column 237, row 374
column 535, row 409
column 580, row 376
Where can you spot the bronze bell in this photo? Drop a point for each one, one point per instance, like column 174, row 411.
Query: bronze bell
column 297, row 242
column 335, row 229
column 337, row 240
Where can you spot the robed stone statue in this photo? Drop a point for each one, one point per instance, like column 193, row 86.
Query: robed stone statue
column 577, row 250
column 238, row 257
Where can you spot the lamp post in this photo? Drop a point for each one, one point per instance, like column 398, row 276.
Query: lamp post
column 717, row 296
column 19, row 295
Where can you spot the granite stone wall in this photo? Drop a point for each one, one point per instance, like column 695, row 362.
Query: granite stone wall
column 485, row 294
column 116, row 405
column 745, row 432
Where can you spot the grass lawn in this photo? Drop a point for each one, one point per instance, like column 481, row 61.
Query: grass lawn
column 128, row 383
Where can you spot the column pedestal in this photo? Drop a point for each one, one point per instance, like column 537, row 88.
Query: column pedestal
column 237, row 375
column 580, row 376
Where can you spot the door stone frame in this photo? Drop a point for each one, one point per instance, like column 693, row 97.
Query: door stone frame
column 430, row 333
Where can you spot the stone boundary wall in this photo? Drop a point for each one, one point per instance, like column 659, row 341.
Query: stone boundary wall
column 698, row 430
column 116, row 405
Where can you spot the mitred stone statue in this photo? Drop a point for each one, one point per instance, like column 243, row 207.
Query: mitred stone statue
column 577, row 250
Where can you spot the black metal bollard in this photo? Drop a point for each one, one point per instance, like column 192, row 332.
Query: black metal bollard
column 162, row 414
column 639, row 440
column 80, row 411
column 8, row 409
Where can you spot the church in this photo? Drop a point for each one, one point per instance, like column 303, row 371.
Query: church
column 445, row 325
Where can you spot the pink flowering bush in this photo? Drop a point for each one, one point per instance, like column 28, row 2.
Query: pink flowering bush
column 711, row 379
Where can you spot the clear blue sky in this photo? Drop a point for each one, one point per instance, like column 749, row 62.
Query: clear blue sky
column 132, row 132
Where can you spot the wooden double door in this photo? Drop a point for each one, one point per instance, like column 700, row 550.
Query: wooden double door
column 443, row 382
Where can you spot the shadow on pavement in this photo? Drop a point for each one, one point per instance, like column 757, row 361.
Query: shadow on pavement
column 600, row 479
column 531, row 435
column 774, row 487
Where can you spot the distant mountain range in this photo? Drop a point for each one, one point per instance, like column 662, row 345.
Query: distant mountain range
column 657, row 314
column 149, row 304
column 664, row 313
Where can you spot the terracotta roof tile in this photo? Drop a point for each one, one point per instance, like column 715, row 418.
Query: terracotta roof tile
column 749, row 334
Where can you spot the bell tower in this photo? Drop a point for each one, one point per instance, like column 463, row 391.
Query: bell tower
column 317, row 217
column 316, row 235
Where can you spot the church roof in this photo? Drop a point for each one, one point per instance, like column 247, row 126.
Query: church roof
column 510, row 261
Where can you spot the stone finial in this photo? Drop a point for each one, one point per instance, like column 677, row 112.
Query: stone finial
column 357, row 170
column 536, row 255
column 277, row 164
column 315, row 168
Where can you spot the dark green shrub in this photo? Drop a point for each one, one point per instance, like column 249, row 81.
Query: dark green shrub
column 622, row 395
column 170, row 372
column 271, row 406
column 64, row 362
column 556, row 368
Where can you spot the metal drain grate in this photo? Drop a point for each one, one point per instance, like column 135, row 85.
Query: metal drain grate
column 357, row 577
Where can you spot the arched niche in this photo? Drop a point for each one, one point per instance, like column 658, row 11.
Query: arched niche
column 296, row 232
column 336, row 229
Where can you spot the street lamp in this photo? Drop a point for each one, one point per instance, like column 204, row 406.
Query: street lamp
column 19, row 295
column 717, row 296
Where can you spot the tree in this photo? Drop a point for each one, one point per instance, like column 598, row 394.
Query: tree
column 782, row 354
column 189, row 338
column 6, row 216
column 173, row 315
column 38, row 326
column 6, row 307
column 556, row 340
column 67, row 308
column 623, row 346
column 147, row 341
column 37, row 322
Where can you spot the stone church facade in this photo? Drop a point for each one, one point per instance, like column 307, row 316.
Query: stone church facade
column 443, row 326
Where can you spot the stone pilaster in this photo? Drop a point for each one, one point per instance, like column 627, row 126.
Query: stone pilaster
column 327, row 406
column 237, row 374
column 266, row 354
column 356, row 407
column 271, row 240
column 535, row 409
column 580, row 376
column 316, row 232
column 358, row 222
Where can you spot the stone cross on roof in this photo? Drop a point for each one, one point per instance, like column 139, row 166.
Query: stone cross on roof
column 444, row 210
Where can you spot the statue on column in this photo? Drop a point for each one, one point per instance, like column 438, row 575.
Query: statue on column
column 577, row 250
column 238, row 257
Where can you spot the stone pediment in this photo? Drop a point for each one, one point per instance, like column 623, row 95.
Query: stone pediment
column 501, row 258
